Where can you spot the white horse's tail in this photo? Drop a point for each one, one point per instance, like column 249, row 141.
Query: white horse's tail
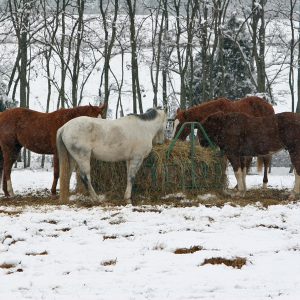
column 64, row 167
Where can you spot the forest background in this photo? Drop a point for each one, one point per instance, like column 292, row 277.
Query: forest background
column 138, row 54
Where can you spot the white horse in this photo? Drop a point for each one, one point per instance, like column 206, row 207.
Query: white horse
column 126, row 139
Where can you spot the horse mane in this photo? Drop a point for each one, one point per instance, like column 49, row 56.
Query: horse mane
column 207, row 107
column 208, row 104
column 149, row 115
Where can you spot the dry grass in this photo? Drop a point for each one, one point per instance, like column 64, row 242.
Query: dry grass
column 260, row 197
column 236, row 263
column 159, row 176
column 188, row 250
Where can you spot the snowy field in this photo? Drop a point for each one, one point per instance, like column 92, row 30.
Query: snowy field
column 120, row 253
column 67, row 252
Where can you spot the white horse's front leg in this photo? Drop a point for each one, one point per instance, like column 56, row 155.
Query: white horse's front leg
column 132, row 168
column 239, row 175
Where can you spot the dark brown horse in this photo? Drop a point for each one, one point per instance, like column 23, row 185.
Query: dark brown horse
column 36, row 131
column 237, row 135
column 252, row 106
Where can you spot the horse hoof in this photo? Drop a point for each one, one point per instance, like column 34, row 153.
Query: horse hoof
column 101, row 199
column 239, row 195
column 54, row 196
column 128, row 201
column 227, row 193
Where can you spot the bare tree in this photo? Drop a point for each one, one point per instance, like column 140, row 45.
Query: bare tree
column 136, row 90
column 157, row 22
column 109, row 40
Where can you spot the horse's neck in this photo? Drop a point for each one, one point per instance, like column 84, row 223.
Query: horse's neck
column 205, row 110
column 74, row 113
column 151, row 126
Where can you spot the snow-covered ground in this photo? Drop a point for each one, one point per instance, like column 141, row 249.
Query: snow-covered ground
column 66, row 252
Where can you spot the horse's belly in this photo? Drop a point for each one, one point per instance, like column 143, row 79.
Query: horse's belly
column 261, row 148
column 117, row 154
column 39, row 148
column 120, row 153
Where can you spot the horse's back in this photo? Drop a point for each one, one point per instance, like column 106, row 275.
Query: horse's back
column 254, row 106
column 108, row 140
column 203, row 110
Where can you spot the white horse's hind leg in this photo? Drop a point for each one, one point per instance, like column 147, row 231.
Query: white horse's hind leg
column 86, row 178
column 132, row 168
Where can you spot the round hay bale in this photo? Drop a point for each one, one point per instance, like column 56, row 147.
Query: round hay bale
column 159, row 176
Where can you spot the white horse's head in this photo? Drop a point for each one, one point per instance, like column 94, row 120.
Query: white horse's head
column 159, row 138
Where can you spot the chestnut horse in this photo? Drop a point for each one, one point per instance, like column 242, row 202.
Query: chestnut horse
column 253, row 106
column 36, row 131
column 236, row 135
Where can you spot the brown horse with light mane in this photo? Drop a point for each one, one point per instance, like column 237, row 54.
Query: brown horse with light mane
column 36, row 131
column 252, row 106
column 236, row 135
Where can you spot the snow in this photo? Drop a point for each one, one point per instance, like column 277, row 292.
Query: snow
column 68, row 252
column 126, row 252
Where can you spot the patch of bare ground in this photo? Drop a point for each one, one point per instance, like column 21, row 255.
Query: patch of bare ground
column 237, row 262
column 271, row 226
column 10, row 212
column 192, row 249
column 30, row 199
column 109, row 237
column 11, row 268
column 65, row 229
column 9, row 240
column 53, row 222
column 7, row 266
column 109, row 262
column 261, row 197
column 146, row 209
column 37, row 253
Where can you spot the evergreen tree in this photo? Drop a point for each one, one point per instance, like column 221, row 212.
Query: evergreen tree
column 230, row 73
column 5, row 101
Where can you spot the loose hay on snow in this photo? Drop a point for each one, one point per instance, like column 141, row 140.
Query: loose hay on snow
column 159, row 176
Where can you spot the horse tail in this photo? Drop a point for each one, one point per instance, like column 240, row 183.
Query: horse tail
column 259, row 163
column 64, row 166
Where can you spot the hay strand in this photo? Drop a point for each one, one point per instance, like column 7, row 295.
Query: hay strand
column 159, row 176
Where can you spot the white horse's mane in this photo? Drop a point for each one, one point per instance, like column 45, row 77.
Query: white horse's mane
column 149, row 115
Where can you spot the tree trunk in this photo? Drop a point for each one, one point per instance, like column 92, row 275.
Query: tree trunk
column 137, row 97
